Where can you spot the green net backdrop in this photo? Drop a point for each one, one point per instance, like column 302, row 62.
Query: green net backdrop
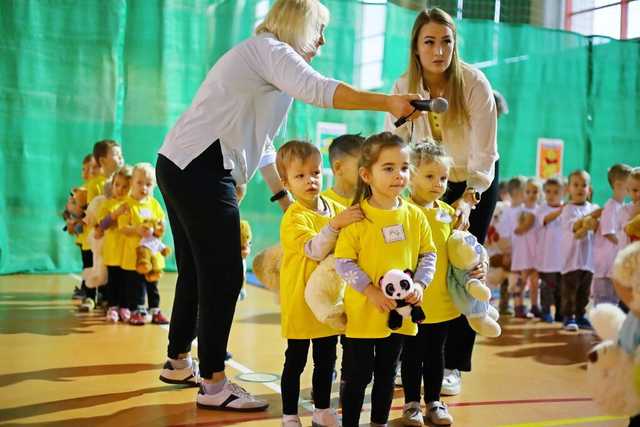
column 75, row 72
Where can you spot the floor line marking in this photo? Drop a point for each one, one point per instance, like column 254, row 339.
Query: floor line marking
column 565, row 421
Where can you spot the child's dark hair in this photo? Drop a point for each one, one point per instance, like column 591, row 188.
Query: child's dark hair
column 347, row 144
column 101, row 149
column 87, row 158
column 552, row 181
column 515, row 184
column 369, row 154
column 618, row 172
column 428, row 150
column 294, row 149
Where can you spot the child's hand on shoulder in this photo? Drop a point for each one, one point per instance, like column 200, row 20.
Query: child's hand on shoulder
column 377, row 298
column 122, row 209
column 348, row 216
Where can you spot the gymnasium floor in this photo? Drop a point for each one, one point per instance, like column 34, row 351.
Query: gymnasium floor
column 62, row 368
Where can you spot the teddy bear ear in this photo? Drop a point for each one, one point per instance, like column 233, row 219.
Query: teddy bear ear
column 409, row 272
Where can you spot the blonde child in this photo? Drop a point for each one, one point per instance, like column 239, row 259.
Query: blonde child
column 631, row 214
column 344, row 154
column 505, row 228
column 524, row 248
column 141, row 205
column 549, row 261
column 609, row 235
column 308, row 233
column 113, row 244
column 576, row 251
column 108, row 157
column 423, row 355
column 394, row 235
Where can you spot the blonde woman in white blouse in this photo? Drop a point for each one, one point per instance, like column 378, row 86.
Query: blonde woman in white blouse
column 219, row 142
column 468, row 132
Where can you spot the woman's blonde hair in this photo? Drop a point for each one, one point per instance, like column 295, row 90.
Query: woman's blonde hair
column 458, row 113
column 369, row 154
column 296, row 22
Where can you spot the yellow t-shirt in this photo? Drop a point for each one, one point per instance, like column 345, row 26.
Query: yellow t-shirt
column 95, row 187
column 329, row 193
column 245, row 232
column 299, row 225
column 148, row 208
column 436, row 303
column 113, row 239
column 384, row 240
column 81, row 239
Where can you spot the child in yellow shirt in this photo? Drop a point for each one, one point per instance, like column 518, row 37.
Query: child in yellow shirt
column 108, row 157
column 141, row 206
column 113, row 243
column 344, row 154
column 308, row 233
column 423, row 355
column 394, row 235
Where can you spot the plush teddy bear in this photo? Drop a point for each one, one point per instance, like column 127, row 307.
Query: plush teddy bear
column 324, row 294
column 585, row 224
column 397, row 285
column 150, row 251
column 470, row 296
column 613, row 370
column 266, row 267
column 632, row 228
column 74, row 210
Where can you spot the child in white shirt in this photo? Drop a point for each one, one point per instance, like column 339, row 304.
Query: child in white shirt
column 609, row 235
column 576, row 249
column 549, row 260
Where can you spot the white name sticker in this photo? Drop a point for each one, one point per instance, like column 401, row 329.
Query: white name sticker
column 393, row 233
column 443, row 216
column 145, row 213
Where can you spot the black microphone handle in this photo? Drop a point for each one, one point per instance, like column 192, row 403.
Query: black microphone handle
column 402, row 120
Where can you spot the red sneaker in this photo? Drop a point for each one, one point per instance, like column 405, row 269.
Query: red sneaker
column 137, row 318
column 159, row 319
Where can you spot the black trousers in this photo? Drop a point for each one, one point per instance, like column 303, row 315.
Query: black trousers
column 634, row 421
column 134, row 290
column 423, row 360
column 576, row 287
column 295, row 358
column 205, row 222
column 458, row 348
column 153, row 296
column 115, row 288
column 369, row 358
column 550, row 292
column 87, row 262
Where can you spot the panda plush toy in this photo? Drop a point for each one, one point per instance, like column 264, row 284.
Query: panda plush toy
column 398, row 285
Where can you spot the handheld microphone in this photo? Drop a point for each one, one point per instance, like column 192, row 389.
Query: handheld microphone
column 436, row 105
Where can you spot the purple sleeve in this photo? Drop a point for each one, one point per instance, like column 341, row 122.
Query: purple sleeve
column 351, row 273
column 426, row 268
column 322, row 244
column 106, row 222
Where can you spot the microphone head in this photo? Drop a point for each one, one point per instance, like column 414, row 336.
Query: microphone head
column 439, row 105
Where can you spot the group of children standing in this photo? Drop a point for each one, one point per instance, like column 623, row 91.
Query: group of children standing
column 121, row 218
column 371, row 227
column 563, row 251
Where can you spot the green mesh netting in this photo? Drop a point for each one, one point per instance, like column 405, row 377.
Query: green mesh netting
column 75, row 72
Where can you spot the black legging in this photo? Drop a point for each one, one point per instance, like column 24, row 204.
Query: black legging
column 205, row 221
column 459, row 345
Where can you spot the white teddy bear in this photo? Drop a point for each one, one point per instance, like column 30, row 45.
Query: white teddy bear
column 613, row 370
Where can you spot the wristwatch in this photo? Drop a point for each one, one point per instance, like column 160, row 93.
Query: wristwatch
column 279, row 195
column 476, row 193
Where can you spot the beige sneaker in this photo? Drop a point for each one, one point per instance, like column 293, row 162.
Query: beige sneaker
column 325, row 418
column 412, row 414
column 438, row 414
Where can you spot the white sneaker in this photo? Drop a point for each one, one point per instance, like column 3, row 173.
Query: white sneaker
column 188, row 376
column 291, row 421
column 232, row 397
column 438, row 414
column 412, row 415
column 451, row 383
column 325, row 418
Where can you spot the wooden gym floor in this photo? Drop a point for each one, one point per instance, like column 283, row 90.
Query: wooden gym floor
column 62, row 368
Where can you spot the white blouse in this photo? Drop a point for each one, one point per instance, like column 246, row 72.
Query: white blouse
column 474, row 148
column 243, row 101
